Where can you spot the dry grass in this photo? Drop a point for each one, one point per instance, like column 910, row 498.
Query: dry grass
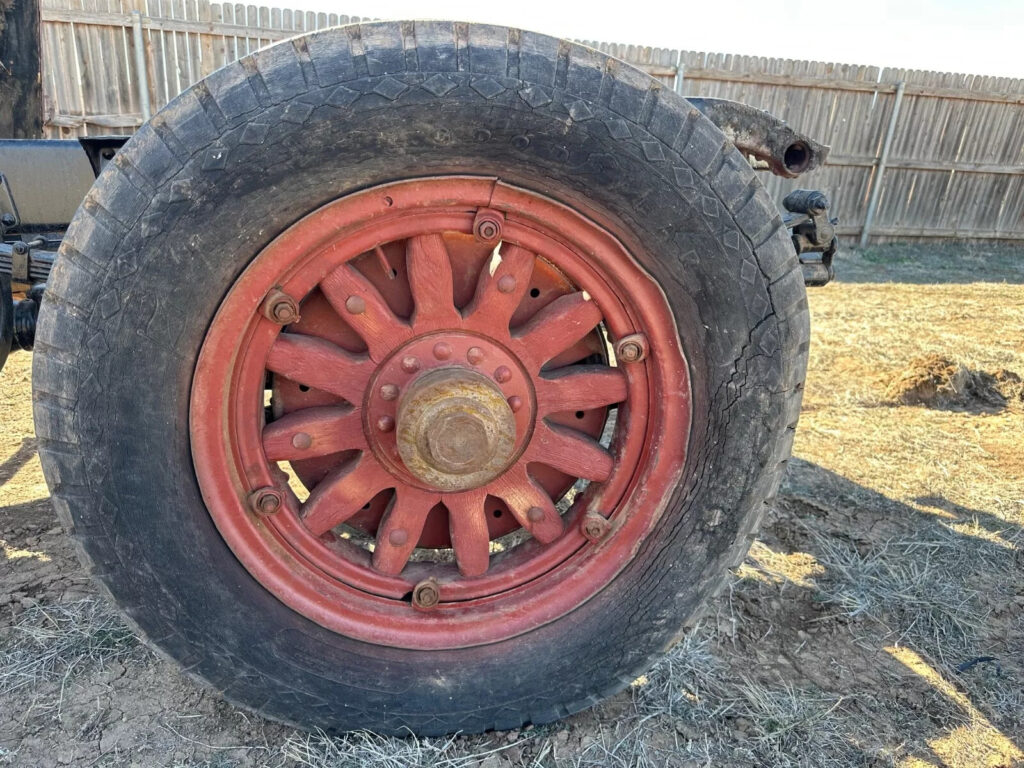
column 57, row 641
column 879, row 620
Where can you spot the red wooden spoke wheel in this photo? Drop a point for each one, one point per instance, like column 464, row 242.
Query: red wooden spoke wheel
column 453, row 453
column 361, row 375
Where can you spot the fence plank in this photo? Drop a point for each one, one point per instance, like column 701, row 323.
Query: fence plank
column 955, row 169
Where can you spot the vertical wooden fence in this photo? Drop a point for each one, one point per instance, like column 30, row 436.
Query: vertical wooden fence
column 90, row 74
column 956, row 161
column 954, row 166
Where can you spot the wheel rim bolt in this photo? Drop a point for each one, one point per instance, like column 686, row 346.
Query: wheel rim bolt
column 356, row 305
column 474, row 355
column 515, row 403
column 265, row 501
column 426, row 594
column 280, row 308
column 535, row 514
column 410, row 364
column 302, row 440
column 595, row 527
column 502, row 375
column 632, row 348
column 442, row 350
column 507, row 284
column 385, row 423
column 487, row 226
column 398, row 537
column 388, row 392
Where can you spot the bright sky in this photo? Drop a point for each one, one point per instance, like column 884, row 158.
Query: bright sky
column 979, row 37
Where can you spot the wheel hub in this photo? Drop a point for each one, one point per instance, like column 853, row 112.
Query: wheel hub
column 450, row 411
column 455, row 429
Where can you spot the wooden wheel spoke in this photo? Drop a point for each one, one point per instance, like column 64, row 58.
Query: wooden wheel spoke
column 361, row 305
column 343, row 493
column 499, row 292
column 320, row 364
column 570, row 451
column 471, row 539
column 313, row 432
column 558, row 326
column 430, row 279
column 530, row 504
column 400, row 529
column 580, row 388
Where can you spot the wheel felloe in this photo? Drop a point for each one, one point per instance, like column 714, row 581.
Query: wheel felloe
column 441, row 393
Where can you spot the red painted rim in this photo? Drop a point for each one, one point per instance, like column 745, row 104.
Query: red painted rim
column 394, row 283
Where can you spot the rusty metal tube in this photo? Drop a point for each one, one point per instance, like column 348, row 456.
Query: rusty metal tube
column 760, row 134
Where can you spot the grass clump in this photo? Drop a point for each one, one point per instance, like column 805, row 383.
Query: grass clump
column 51, row 642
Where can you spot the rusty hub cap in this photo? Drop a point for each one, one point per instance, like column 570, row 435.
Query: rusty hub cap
column 411, row 428
column 450, row 397
column 455, row 429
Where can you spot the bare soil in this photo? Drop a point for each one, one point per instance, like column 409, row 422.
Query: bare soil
column 878, row 621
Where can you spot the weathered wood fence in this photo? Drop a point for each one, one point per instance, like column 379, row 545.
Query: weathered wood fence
column 941, row 154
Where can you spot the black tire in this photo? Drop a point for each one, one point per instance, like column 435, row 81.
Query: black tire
column 233, row 161
column 6, row 319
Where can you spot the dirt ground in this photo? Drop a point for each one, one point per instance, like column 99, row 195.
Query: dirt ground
column 878, row 621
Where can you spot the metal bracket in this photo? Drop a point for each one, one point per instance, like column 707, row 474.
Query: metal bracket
column 813, row 233
column 766, row 138
column 9, row 218
column 27, row 262
column 101, row 149
column 19, row 261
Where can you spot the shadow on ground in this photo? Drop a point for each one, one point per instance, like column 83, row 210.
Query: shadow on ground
column 10, row 466
column 837, row 644
column 909, row 616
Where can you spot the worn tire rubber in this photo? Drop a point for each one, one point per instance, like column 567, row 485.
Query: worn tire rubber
column 252, row 148
column 6, row 319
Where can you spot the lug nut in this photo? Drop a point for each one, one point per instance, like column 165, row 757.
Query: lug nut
column 595, row 527
column 502, row 374
column 385, row 423
column 474, row 355
column 302, row 441
column 426, row 594
column 410, row 364
column 356, row 305
column 506, row 284
column 280, row 308
column 535, row 514
column 487, row 225
column 632, row 348
column 388, row 392
column 265, row 501
column 442, row 350
column 515, row 403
